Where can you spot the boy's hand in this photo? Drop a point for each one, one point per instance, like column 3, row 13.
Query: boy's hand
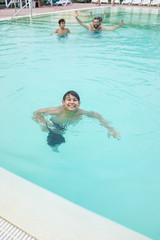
column 76, row 13
column 114, row 134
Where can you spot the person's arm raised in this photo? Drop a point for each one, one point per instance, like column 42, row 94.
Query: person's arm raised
column 113, row 28
column 80, row 22
column 56, row 31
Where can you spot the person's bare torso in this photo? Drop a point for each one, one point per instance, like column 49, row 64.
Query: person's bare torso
column 63, row 32
column 60, row 115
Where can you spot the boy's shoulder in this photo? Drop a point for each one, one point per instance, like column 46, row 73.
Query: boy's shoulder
column 67, row 29
column 81, row 111
column 88, row 113
column 57, row 30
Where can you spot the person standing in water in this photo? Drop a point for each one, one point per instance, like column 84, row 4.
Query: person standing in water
column 61, row 31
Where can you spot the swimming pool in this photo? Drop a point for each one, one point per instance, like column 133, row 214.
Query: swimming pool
column 116, row 74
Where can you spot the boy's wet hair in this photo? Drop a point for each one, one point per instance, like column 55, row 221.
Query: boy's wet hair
column 73, row 93
column 61, row 20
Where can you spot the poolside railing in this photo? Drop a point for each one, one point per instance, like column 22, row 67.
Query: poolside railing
column 28, row 3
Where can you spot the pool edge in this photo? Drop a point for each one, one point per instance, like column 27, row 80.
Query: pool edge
column 48, row 216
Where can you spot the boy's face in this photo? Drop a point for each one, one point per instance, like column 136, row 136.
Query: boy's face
column 71, row 103
column 62, row 24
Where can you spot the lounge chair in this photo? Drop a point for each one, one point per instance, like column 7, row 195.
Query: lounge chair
column 101, row 1
column 19, row 2
column 146, row 2
column 155, row 2
column 117, row 2
column 127, row 2
column 136, row 2
column 63, row 2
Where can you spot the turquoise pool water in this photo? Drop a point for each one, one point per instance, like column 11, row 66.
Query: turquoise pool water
column 116, row 74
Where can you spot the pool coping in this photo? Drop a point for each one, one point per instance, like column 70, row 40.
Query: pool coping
column 47, row 216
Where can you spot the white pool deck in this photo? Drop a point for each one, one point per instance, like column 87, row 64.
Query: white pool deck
column 46, row 216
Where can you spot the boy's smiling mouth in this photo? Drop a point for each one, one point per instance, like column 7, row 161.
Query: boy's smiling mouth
column 72, row 106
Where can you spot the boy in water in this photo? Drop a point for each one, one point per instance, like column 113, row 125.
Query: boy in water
column 68, row 113
column 62, row 31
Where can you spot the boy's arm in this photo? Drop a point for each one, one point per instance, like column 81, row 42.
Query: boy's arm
column 68, row 31
column 80, row 22
column 38, row 116
column 113, row 28
column 56, row 31
column 111, row 131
